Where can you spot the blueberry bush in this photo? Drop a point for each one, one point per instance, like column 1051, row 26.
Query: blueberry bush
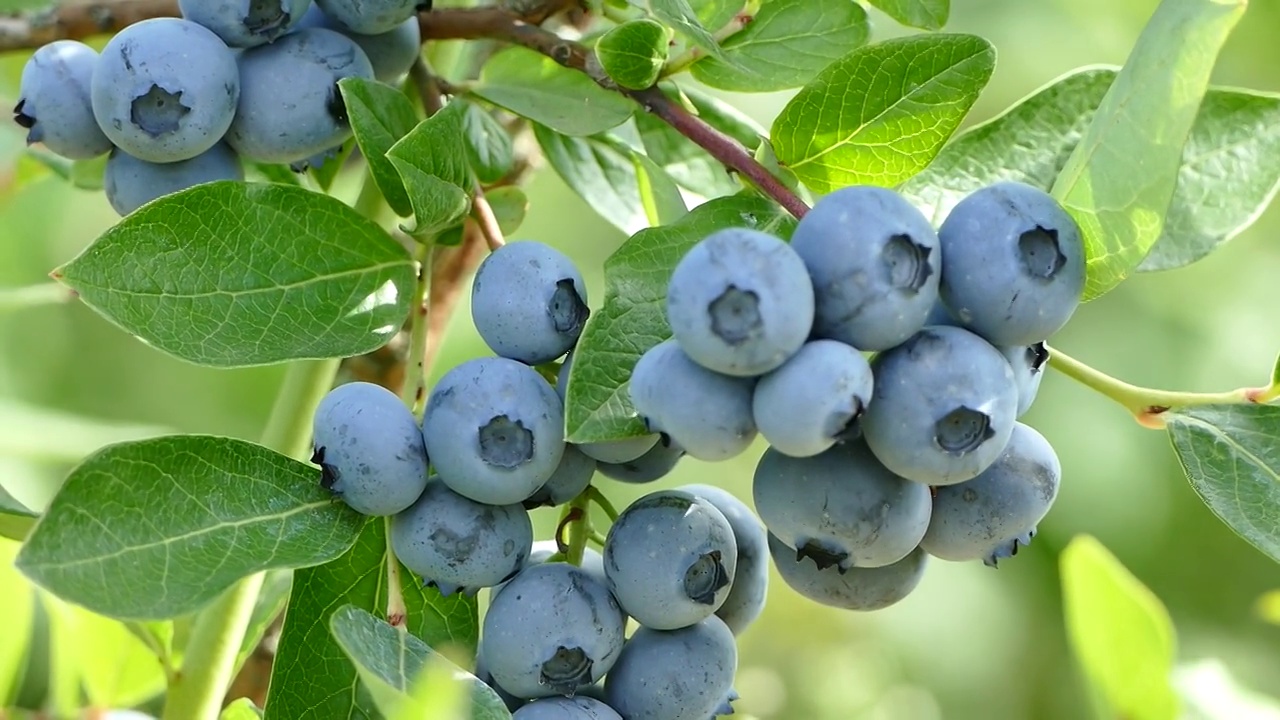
column 860, row 301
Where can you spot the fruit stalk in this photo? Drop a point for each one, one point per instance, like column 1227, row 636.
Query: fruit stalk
column 1148, row 405
column 199, row 686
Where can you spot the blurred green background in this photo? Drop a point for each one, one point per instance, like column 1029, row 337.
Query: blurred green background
column 971, row 642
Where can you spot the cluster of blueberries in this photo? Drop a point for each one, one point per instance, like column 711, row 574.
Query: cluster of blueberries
column 183, row 101
column 874, row 464
column 689, row 566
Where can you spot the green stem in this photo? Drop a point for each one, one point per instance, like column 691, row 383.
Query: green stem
column 598, row 538
column 598, row 498
column 579, row 529
column 685, row 60
column 369, row 202
column 1148, row 404
column 216, row 635
column 19, row 298
column 397, row 611
column 413, row 392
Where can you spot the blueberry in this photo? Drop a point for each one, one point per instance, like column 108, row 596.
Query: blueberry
column 370, row 17
column 751, row 575
column 459, row 545
column 482, row 674
column 814, row 400
column 875, row 264
column 131, row 183
column 165, row 89
column 988, row 517
column 592, row 562
column 684, row 674
column 740, row 302
column 392, row 53
column 290, row 106
column 246, row 23
column 706, row 413
column 570, row 478
column 944, row 404
column 670, row 559
column 529, row 302
column 1028, row 362
column 857, row 589
column 841, row 508
column 562, row 708
column 655, row 464
column 552, row 630
column 1013, row 266
column 370, row 450
column 54, row 104
column 498, row 430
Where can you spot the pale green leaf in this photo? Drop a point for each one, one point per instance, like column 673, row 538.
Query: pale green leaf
column 1119, row 632
column 786, row 45
column 1211, row 693
column 234, row 274
column 433, row 163
column 1231, row 455
column 1120, row 179
column 44, row 434
column 380, row 115
column 659, row 195
column 881, row 113
column 157, row 528
column 113, row 666
column 17, row 607
column 242, row 709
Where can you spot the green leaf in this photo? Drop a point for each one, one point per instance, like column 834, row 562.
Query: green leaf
column 715, row 14
column 380, row 115
column 37, row 433
column 276, row 173
column 157, row 528
column 633, row 318
column 157, row 635
column 881, row 113
column 394, row 660
column 1231, row 455
column 1119, row 181
column 510, row 205
column 11, row 506
column 115, row 668
column 17, row 607
column 659, row 195
column 536, row 87
column 16, row 520
column 680, row 16
column 89, row 174
column 923, row 14
column 786, row 45
column 432, row 162
column 1275, row 373
column 489, row 145
column 1231, row 157
column 233, row 274
column 633, row 53
column 1119, row 631
column 312, row 678
column 602, row 170
column 242, row 709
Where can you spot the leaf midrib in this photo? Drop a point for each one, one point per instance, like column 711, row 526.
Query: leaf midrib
column 365, row 270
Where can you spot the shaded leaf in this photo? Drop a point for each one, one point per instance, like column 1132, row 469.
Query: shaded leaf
column 393, row 661
column 633, row 317
column 312, row 678
column 687, row 162
column 380, row 115
column 432, row 161
column 881, row 113
column 659, row 195
column 536, row 87
column 923, row 14
column 44, row 434
column 1119, row 631
column 602, row 171
column 715, row 14
column 1231, row 455
column 489, row 145
column 17, row 607
column 157, row 528
column 633, row 53
column 233, row 274
column 786, row 45
column 1119, row 180
column 510, row 205
column 114, row 667
column 325, row 166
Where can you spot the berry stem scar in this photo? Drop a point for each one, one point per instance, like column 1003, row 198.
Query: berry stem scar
column 1149, row 405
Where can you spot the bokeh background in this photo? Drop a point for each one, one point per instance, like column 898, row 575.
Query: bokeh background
column 971, row 642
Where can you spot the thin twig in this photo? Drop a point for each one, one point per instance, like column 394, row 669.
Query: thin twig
column 482, row 213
